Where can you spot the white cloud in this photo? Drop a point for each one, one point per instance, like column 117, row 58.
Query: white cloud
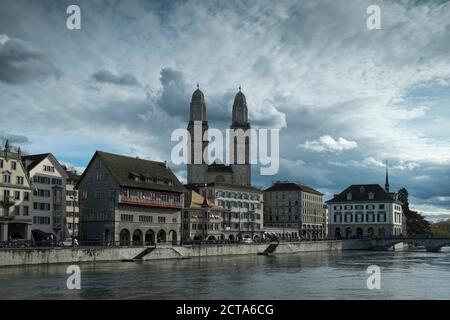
column 328, row 144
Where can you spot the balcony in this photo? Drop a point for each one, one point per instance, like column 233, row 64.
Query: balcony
column 148, row 203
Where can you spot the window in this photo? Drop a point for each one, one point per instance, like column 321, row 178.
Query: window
column 381, row 207
column 26, row 210
column 359, row 207
column 370, row 207
column 126, row 217
column 359, row 217
column 349, row 196
column 148, row 219
column 161, row 219
column 381, row 216
column 371, row 195
column 370, row 217
column 16, row 210
column 41, row 206
column 19, row 180
column 7, row 178
column 49, row 168
column 17, row 195
column 1, row 163
column 337, row 207
column 41, row 220
column 56, row 181
column 348, row 217
column 41, row 193
column 338, row 218
column 13, row 165
column 348, row 207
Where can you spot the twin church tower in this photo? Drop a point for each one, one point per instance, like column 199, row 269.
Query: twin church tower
column 238, row 172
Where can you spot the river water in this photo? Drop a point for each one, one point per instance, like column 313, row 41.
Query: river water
column 315, row 275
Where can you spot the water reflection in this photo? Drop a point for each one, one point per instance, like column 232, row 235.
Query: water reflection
column 321, row 275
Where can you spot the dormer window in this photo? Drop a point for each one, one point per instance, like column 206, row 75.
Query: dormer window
column 349, row 196
column 362, row 189
column 371, row 195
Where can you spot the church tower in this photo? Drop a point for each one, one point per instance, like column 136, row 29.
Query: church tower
column 197, row 167
column 240, row 148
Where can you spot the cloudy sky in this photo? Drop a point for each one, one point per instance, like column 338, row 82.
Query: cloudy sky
column 346, row 98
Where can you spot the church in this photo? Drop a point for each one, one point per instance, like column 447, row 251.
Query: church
column 237, row 172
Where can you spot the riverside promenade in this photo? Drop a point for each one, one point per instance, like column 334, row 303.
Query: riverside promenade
column 33, row 256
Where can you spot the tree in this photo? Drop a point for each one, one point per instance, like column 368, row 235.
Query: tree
column 415, row 222
column 441, row 229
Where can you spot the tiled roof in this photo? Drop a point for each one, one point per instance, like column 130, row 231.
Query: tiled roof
column 137, row 173
column 292, row 186
column 31, row 161
column 360, row 193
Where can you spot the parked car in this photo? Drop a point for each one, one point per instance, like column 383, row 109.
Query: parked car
column 68, row 242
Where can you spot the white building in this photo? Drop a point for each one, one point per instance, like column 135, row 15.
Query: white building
column 15, row 221
column 242, row 215
column 48, row 183
column 366, row 210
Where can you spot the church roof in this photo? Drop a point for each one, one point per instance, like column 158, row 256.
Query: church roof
column 198, row 96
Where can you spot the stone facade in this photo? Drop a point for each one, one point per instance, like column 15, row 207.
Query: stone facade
column 292, row 205
column 15, row 196
column 129, row 201
column 201, row 170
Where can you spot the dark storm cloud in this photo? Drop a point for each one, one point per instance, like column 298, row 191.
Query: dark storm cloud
column 20, row 63
column 13, row 138
column 174, row 95
column 105, row 76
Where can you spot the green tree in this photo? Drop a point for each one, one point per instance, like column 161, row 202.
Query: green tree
column 415, row 222
column 441, row 229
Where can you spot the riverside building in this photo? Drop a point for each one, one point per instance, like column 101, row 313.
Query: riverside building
column 129, row 201
column 365, row 210
column 15, row 199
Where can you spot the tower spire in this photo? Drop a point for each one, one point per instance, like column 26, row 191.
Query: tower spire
column 386, row 184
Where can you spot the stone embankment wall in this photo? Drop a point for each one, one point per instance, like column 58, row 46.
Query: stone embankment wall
column 29, row 256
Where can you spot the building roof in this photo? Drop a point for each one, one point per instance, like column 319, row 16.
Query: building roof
column 231, row 186
column 291, row 186
column 194, row 200
column 33, row 160
column 138, row 173
column 360, row 193
column 73, row 176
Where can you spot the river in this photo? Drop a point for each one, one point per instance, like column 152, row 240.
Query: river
column 315, row 275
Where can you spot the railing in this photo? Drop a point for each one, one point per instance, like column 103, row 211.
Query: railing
column 149, row 203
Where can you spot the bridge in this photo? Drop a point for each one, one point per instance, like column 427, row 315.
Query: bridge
column 430, row 244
